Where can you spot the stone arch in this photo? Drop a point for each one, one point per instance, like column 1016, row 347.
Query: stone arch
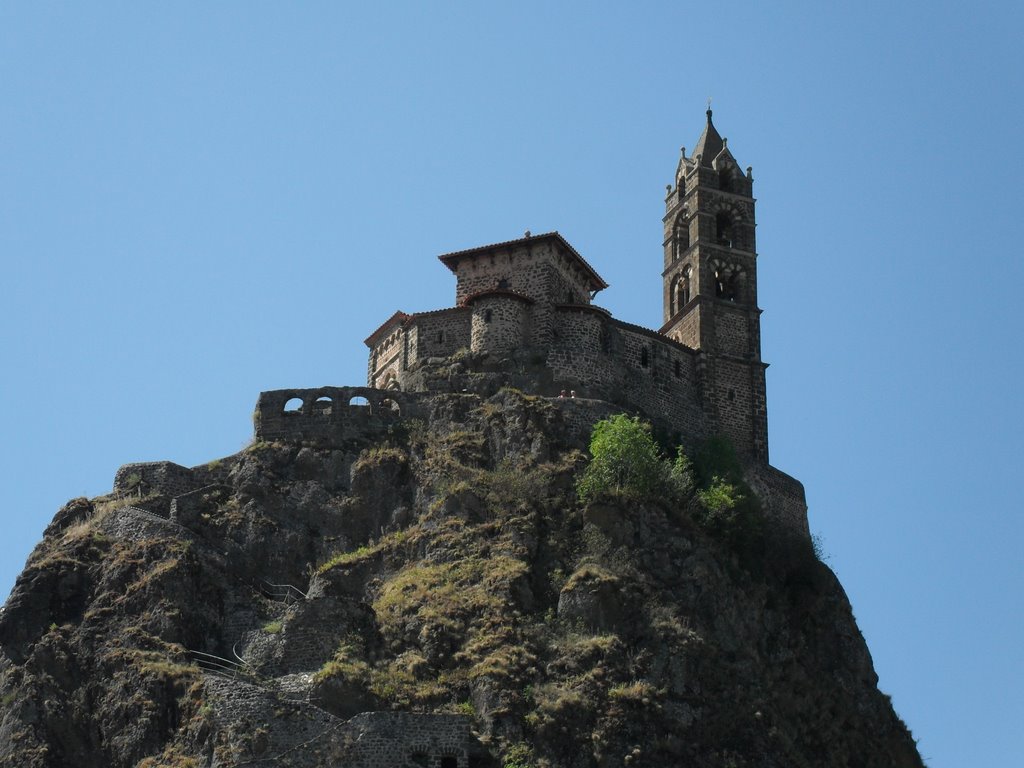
column 390, row 407
column 680, row 290
column 293, row 405
column 323, row 405
column 726, row 178
column 724, row 227
column 360, row 401
column 681, row 234
column 730, row 281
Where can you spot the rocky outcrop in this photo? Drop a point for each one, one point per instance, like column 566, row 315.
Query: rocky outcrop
column 429, row 593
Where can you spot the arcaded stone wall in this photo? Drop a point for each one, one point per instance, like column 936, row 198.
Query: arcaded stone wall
column 328, row 414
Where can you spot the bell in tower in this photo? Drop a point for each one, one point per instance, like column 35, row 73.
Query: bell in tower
column 710, row 284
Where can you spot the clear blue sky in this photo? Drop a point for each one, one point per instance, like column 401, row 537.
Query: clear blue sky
column 201, row 201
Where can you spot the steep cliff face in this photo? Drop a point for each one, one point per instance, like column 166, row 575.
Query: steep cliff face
column 433, row 596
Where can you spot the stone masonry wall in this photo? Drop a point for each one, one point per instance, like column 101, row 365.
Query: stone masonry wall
column 669, row 386
column 607, row 359
column 498, row 324
column 732, row 393
column 782, row 497
column 439, row 334
column 731, row 336
column 164, row 477
column 328, row 415
column 524, row 269
column 295, row 733
column 390, row 739
column 386, row 358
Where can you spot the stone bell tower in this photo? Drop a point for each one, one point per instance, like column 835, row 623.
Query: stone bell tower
column 710, row 287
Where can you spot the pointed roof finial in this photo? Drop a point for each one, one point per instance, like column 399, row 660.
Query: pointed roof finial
column 709, row 110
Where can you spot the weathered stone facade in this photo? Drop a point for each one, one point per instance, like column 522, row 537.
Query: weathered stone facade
column 528, row 302
column 524, row 317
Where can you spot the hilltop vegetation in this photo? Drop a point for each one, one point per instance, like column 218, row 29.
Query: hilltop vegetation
column 466, row 563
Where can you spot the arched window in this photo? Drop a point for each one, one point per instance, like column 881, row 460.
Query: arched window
column 728, row 283
column 644, row 360
column 440, row 337
column 682, row 235
column 723, row 228
column 725, row 179
column 487, row 315
column 683, row 289
column 294, row 405
column 322, row 406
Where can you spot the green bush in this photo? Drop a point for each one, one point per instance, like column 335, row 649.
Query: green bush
column 519, row 756
column 625, row 460
column 717, row 459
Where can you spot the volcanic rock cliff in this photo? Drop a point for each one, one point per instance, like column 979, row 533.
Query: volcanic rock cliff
column 428, row 594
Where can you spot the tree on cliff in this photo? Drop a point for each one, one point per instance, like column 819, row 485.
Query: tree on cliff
column 626, row 461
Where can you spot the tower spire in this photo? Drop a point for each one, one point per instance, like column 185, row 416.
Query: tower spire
column 710, row 286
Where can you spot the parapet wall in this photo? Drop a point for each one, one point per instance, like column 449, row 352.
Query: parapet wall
column 330, row 414
column 781, row 496
column 311, row 738
column 388, row 739
column 164, row 477
column 607, row 359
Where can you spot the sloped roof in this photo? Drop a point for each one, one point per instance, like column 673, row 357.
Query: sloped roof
column 373, row 338
column 597, row 283
column 709, row 144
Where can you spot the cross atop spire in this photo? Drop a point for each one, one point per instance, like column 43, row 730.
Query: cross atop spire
column 709, row 144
